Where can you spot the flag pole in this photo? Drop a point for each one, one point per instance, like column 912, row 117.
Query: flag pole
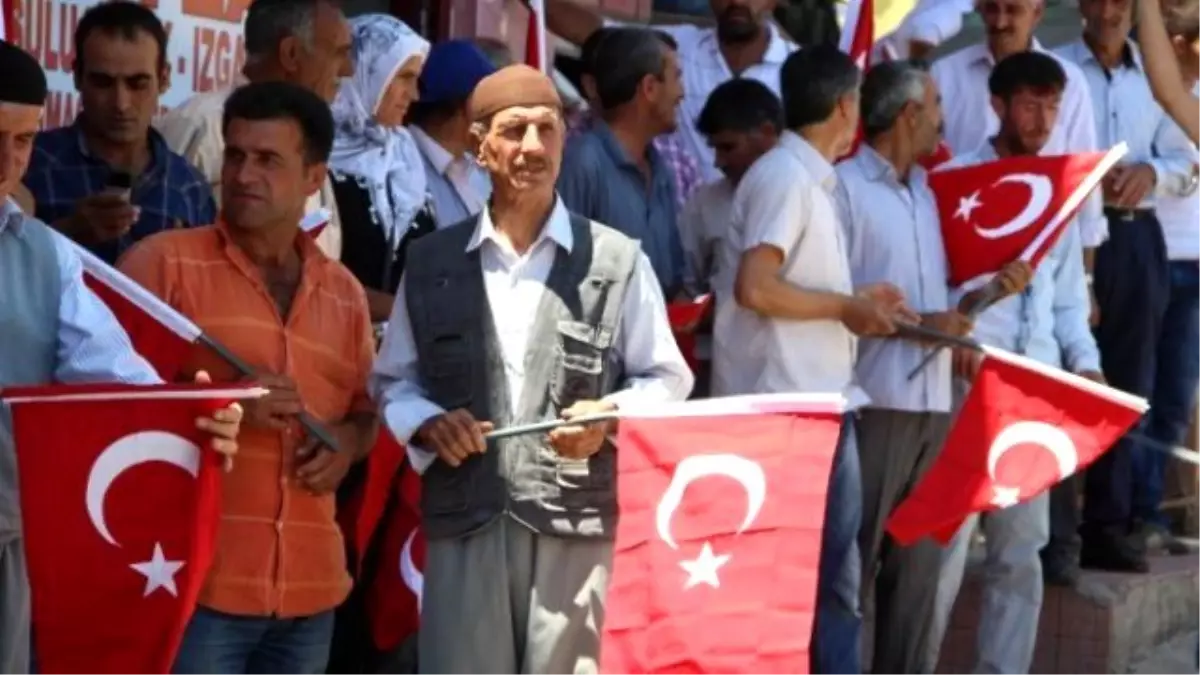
column 310, row 425
column 550, row 425
column 990, row 294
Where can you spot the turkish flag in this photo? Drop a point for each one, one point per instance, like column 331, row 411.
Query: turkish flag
column 535, row 37
column 685, row 316
column 940, row 155
column 119, row 504
column 1013, row 208
column 856, row 40
column 362, row 513
column 394, row 603
column 159, row 333
column 1023, row 428
column 715, row 561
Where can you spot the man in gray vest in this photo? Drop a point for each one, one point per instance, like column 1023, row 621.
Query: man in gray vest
column 54, row 330
column 521, row 314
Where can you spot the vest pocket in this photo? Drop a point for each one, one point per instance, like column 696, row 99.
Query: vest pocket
column 579, row 373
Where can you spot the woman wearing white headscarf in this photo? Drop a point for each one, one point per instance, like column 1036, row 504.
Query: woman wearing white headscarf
column 378, row 177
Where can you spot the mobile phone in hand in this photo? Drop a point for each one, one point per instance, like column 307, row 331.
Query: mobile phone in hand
column 119, row 183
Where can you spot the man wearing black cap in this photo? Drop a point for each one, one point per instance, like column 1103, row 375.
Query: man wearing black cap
column 55, row 330
column 441, row 128
column 524, row 314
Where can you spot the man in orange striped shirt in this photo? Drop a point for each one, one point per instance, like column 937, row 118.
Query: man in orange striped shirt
column 259, row 286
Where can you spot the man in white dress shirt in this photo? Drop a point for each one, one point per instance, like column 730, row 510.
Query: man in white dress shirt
column 795, row 275
column 742, row 120
column 744, row 42
column 1047, row 322
column 523, row 314
column 1132, row 275
column 893, row 236
column 306, row 42
column 966, row 108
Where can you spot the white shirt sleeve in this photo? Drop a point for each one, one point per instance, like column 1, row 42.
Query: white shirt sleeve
column 395, row 383
column 654, row 367
column 771, row 209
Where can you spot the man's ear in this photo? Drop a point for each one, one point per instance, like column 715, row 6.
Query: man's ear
column 164, row 78
column 314, row 177
column 290, row 53
column 998, row 106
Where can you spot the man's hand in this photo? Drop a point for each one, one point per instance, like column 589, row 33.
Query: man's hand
column 453, row 436
column 580, row 441
column 950, row 323
column 322, row 469
column 100, row 218
column 1014, row 277
column 863, row 316
column 1093, row 375
column 279, row 408
column 223, row 425
column 965, row 363
column 1128, row 185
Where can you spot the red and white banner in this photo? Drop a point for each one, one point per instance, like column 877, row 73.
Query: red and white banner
column 162, row 335
column 1013, row 208
column 1024, row 427
column 204, row 50
column 715, row 561
column 394, row 601
column 119, row 504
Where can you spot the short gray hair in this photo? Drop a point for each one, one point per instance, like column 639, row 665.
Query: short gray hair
column 887, row 88
column 268, row 22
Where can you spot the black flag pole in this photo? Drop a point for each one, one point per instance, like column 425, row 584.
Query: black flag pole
column 990, row 294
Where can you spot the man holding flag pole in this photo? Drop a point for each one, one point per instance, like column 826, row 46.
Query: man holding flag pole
column 56, row 330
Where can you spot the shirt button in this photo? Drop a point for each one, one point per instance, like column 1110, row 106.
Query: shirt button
column 278, row 526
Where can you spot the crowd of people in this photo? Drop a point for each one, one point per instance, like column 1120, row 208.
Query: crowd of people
column 496, row 254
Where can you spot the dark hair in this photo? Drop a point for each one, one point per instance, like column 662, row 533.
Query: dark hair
column 261, row 101
column 886, row 89
column 624, row 57
column 740, row 104
column 1033, row 71
column 813, row 79
column 268, row 22
column 590, row 47
column 119, row 18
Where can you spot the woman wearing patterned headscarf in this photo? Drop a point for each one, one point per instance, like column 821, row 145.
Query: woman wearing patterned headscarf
column 378, row 178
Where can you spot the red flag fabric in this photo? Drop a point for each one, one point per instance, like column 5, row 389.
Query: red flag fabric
column 857, row 39
column 163, row 336
column 1023, row 428
column 119, row 509
column 394, row 603
column 7, row 20
column 940, row 155
column 1013, row 208
column 716, row 552
column 535, row 37
column 685, row 317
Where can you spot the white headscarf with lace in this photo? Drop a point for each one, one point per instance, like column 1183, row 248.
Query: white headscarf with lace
column 385, row 160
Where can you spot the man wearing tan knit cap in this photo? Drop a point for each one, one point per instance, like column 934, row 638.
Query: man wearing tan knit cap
column 523, row 314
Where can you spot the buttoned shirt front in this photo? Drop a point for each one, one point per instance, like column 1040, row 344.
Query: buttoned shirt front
column 169, row 193
column 91, row 344
column 962, row 80
column 705, row 69
column 1048, row 322
column 1125, row 111
column 654, row 369
column 459, row 186
column 893, row 235
column 786, row 201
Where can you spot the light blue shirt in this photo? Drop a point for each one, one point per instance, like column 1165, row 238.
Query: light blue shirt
column 1125, row 110
column 893, row 235
column 452, row 203
column 92, row 346
column 1049, row 321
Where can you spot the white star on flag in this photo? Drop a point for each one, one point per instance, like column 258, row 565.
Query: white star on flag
column 703, row 570
column 968, row 204
column 159, row 572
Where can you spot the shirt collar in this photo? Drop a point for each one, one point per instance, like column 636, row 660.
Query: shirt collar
column 1130, row 56
column 158, row 149
column 311, row 257
column 433, row 151
column 557, row 229
column 817, row 165
column 878, row 168
column 617, row 151
column 981, row 54
column 778, row 47
column 11, row 216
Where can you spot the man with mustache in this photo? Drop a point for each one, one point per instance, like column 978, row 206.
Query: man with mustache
column 523, row 314
column 744, row 43
column 121, row 70
column 1133, row 283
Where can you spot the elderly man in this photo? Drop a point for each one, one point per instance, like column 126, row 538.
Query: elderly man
column 893, row 236
column 523, row 314
column 55, row 330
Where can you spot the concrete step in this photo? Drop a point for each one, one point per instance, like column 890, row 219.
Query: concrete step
column 1109, row 623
